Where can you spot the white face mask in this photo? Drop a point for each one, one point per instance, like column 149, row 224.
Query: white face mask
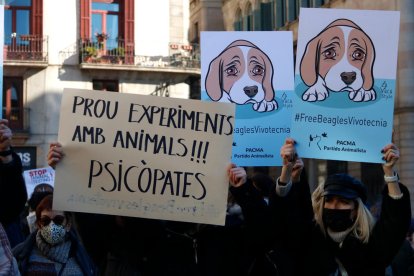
column 31, row 221
column 53, row 233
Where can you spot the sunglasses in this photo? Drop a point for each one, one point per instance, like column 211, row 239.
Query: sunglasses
column 58, row 220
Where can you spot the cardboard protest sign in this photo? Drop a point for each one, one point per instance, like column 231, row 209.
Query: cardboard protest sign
column 345, row 83
column 254, row 70
column 35, row 177
column 144, row 156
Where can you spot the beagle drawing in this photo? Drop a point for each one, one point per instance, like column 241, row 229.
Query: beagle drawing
column 242, row 74
column 340, row 59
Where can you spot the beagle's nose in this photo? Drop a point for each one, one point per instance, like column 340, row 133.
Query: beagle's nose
column 348, row 77
column 250, row 91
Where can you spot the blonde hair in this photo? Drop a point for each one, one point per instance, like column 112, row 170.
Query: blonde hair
column 364, row 222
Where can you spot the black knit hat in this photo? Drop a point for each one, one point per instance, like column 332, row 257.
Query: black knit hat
column 346, row 186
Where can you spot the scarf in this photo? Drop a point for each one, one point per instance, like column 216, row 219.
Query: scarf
column 338, row 237
column 57, row 253
column 47, row 259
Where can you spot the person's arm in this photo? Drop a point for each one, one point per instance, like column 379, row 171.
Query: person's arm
column 291, row 208
column 245, row 194
column 255, row 210
column 291, row 169
column 391, row 154
column 13, row 193
column 392, row 226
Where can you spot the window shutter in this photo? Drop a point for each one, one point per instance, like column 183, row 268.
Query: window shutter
column 37, row 17
column 85, row 19
column 128, row 30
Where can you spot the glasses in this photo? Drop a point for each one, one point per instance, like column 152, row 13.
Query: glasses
column 58, row 220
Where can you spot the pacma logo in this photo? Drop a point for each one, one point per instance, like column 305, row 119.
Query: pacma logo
column 345, row 143
column 254, row 150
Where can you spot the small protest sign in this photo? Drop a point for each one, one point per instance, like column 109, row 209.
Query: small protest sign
column 38, row 176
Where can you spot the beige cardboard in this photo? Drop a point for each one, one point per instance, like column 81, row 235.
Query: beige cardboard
column 179, row 179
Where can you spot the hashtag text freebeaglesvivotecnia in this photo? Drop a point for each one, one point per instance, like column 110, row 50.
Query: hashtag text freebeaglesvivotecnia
column 338, row 120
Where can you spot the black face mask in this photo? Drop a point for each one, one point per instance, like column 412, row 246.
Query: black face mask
column 337, row 220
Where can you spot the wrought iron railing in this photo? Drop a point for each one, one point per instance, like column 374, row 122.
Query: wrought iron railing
column 120, row 52
column 33, row 48
column 107, row 51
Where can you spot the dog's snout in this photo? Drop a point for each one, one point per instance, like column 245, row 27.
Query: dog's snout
column 348, row 77
column 250, row 91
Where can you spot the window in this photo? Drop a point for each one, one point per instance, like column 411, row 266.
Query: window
column 13, row 101
column 249, row 18
column 266, row 16
column 114, row 18
column 106, row 85
column 238, row 24
column 23, row 27
column 280, row 13
column 301, row 3
column 16, row 18
column 105, row 20
column 317, row 3
column 22, row 17
column 292, row 4
column 196, row 31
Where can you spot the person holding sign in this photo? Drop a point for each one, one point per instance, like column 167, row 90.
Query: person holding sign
column 340, row 236
column 265, row 244
column 331, row 231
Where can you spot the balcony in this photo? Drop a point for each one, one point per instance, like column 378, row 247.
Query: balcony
column 118, row 55
column 26, row 50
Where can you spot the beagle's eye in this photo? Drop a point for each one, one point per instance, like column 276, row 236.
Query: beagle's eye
column 329, row 53
column 258, row 70
column 232, row 71
column 358, row 54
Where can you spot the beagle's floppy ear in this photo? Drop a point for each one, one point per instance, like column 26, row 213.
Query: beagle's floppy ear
column 367, row 67
column 214, row 79
column 268, row 79
column 310, row 62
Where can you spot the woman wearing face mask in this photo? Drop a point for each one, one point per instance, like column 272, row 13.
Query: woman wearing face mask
column 331, row 232
column 340, row 236
column 53, row 249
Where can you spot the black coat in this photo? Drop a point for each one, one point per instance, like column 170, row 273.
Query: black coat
column 297, row 244
column 267, row 254
column 13, row 193
column 365, row 259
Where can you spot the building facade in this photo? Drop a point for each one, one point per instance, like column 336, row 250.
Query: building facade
column 124, row 46
column 266, row 15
